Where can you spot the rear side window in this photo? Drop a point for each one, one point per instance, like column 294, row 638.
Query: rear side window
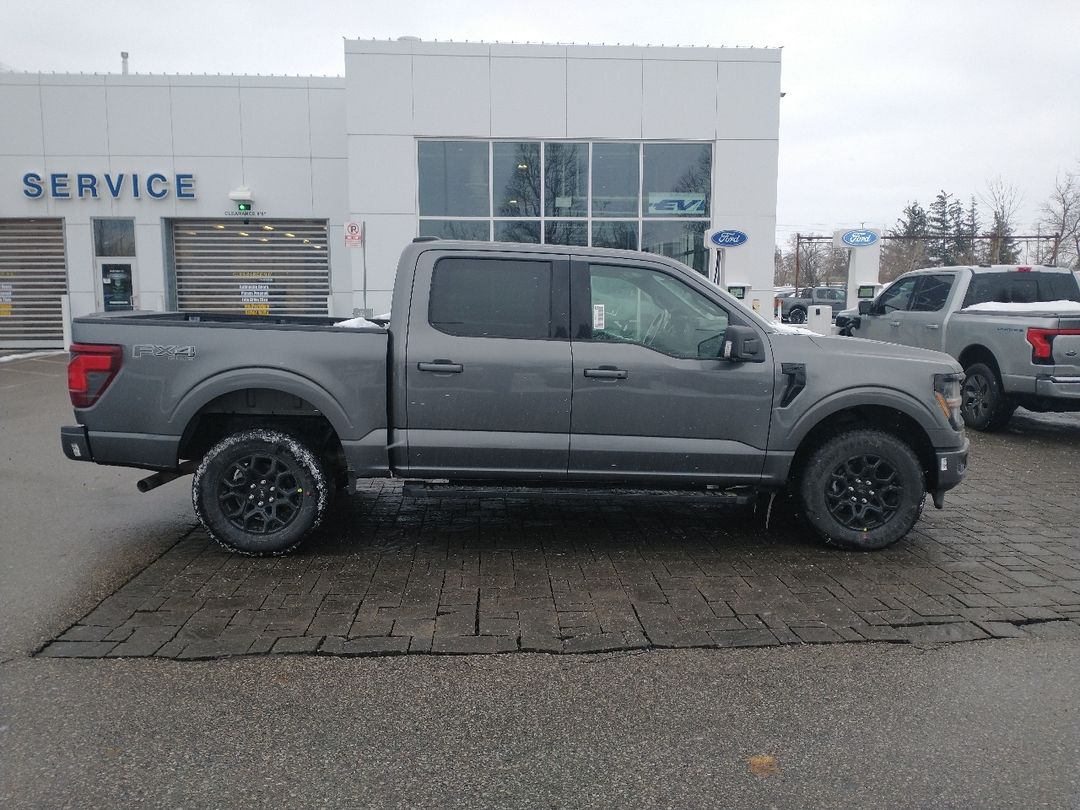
column 1021, row 288
column 473, row 297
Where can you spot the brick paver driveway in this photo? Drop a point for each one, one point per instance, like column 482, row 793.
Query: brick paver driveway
column 390, row 574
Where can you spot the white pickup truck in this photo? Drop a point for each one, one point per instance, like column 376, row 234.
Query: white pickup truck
column 1014, row 329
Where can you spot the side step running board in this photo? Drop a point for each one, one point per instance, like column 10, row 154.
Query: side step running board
column 738, row 496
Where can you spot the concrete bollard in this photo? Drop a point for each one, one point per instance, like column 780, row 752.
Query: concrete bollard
column 819, row 319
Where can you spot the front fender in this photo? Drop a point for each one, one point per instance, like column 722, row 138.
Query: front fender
column 792, row 428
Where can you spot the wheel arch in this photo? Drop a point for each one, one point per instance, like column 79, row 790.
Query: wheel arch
column 977, row 353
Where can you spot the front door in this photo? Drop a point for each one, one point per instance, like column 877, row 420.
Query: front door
column 117, row 293
column 923, row 323
column 889, row 310
column 488, row 366
column 652, row 401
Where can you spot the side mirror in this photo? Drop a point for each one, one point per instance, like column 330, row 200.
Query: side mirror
column 866, row 307
column 742, row 345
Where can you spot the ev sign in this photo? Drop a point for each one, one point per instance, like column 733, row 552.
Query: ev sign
column 354, row 234
column 725, row 238
column 858, row 238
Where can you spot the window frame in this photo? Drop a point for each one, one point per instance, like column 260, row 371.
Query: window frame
column 921, row 282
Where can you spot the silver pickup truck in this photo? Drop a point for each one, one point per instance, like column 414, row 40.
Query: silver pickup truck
column 1005, row 325
column 544, row 367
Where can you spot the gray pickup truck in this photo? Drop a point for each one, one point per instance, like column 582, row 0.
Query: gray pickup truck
column 794, row 307
column 533, row 367
column 1004, row 323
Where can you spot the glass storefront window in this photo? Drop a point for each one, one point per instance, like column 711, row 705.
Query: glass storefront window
column 677, row 179
column 562, row 232
column 518, row 231
column 516, row 179
column 566, row 179
column 615, row 179
column 621, row 235
column 454, row 178
column 682, row 241
column 456, row 229
column 114, row 237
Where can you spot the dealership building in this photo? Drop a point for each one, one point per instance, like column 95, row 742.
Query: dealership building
column 295, row 195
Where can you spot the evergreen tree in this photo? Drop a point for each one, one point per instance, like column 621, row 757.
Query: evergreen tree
column 900, row 255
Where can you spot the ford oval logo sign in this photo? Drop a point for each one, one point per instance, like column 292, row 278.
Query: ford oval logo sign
column 727, row 239
column 859, row 238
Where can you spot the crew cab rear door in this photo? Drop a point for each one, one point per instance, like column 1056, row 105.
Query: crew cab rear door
column 923, row 323
column 652, row 401
column 487, row 371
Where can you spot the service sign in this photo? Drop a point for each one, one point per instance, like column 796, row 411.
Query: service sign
column 725, row 238
column 859, row 238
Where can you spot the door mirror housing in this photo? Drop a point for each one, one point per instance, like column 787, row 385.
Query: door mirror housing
column 742, row 345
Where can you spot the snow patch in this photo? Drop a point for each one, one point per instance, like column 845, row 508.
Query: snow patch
column 11, row 358
column 788, row 329
column 1056, row 307
column 358, row 323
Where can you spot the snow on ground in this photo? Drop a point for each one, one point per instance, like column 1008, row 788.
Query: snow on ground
column 358, row 323
column 11, row 358
column 1057, row 307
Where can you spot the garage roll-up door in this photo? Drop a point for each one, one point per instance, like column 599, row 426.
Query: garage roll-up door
column 33, row 276
column 268, row 267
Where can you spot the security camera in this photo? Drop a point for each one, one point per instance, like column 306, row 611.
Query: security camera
column 242, row 194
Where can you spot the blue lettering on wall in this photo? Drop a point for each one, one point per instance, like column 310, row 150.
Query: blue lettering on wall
column 160, row 193
column 86, row 183
column 185, row 187
column 58, row 186
column 32, row 185
column 115, row 190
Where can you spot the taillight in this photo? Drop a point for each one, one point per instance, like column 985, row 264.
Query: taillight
column 90, row 370
column 1042, row 343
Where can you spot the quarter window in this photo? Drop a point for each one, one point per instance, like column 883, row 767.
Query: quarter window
column 652, row 309
column 491, row 298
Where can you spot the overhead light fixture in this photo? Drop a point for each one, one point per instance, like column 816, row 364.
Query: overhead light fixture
column 220, row 227
column 268, row 227
column 264, row 239
column 523, row 165
column 290, row 235
column 244, row 233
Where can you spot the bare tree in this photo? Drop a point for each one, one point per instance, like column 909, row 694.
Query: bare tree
column 1059, row 217
column 1003, row 199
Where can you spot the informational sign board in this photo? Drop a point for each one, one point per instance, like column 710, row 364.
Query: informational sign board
column 255, row 297
column 354, row 234
column 6, row 299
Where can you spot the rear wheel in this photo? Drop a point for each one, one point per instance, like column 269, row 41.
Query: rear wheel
column 985, row 406
column 258, row 492
column 862, row 490
column 797, row 315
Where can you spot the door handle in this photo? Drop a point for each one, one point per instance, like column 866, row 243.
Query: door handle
column 894, row 323
column 441, row 367
column 607, row 373
column 933, row 326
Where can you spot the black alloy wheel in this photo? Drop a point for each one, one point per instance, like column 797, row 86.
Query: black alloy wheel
column 797, row 315
column 259, row 492
column 862, row 489
column 984, row 405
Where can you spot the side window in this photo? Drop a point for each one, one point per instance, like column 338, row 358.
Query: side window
column 931, row 292
column 650, row 308
column 898, row 296
column 476, row 297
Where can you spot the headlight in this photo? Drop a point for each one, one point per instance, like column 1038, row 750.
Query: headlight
column 947, row 392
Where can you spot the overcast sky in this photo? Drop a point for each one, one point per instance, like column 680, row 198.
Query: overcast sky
column 886, row 101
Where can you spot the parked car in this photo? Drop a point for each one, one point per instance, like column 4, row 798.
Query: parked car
column 1014, row 329
column 560, row 369
column 793, row 308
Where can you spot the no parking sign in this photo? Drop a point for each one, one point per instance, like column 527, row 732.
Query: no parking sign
column 354, row 233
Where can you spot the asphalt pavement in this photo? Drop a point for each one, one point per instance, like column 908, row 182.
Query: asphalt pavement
column 991, row 723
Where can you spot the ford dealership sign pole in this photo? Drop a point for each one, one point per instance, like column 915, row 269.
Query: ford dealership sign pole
column 718, row 240
column 863, row 247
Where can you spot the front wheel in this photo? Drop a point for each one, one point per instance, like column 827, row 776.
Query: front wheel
column 862, row 490
column 984, row 406
column 258, row 492
column 797, row 315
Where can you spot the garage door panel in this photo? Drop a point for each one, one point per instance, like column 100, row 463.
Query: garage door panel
column 33, row 279
column 275, row 267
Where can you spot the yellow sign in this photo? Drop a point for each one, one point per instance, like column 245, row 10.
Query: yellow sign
column 256, row 309
column 5, row 310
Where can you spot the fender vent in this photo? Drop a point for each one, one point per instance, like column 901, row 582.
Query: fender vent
column 796, row 381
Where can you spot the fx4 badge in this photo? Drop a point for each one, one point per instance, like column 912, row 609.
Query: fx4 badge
column 168, row 352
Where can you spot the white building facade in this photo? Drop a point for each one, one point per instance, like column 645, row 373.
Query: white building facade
column 235, row 193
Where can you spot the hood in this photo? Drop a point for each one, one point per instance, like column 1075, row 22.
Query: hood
column 853, row 347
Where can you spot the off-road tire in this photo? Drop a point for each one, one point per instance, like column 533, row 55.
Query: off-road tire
column 286, row 487
column 985, row 406
column 880, row 471
column 797, row 315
